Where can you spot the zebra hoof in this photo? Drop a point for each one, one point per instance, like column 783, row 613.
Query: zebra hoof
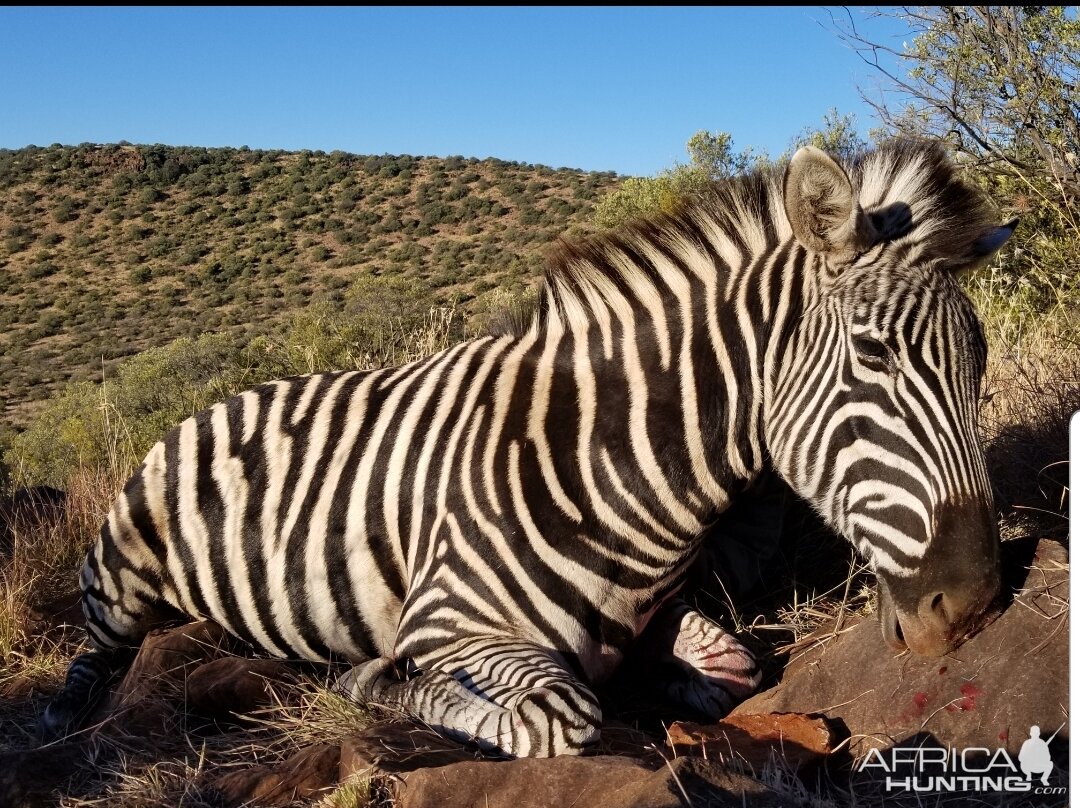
column 368, row 681
column 60, row 719
column 88, row 678
column 712, row 698
column 714, row 677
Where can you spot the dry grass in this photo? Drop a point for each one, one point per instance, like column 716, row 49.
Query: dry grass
column 1031, row 391
column 177, row 766
column 39, row 569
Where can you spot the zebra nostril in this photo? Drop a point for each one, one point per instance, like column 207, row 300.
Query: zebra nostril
column 898, row 630
column 939, row 609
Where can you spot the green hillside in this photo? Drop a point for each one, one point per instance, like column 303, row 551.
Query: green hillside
column 108, row 250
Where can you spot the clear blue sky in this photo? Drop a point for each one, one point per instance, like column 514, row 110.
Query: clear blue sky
column 601, row 89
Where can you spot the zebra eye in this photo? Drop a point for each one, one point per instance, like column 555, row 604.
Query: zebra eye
column 871, row 350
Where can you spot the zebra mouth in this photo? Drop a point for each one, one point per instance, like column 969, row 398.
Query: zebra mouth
column 891, row 628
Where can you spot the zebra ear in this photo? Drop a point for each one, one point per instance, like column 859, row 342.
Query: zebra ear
column 992, row 240
column 978, row 248
column 821, row 206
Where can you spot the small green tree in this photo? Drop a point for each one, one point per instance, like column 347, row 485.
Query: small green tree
column 114, row 424
column 837, row 135
column 711, row 158
column 68, row 432
column 999, row 85
column 65, row 210
column 711, row 155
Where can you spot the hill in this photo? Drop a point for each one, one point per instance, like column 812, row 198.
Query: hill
column 106, row 250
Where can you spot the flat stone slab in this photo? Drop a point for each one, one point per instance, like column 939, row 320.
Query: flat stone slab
column 599, row 782
column 418, row 769
column 795, row 740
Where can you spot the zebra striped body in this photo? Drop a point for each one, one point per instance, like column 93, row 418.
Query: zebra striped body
column 362, row 514
column 419, row 513
column 510, row 514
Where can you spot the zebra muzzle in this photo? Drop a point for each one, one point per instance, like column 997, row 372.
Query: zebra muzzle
column 955, row 588
column 939, row 622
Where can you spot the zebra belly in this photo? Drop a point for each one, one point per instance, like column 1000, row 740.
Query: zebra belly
column 223, row 541
column 297, row 601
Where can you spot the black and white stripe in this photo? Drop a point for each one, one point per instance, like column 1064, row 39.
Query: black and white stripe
column 508, row 515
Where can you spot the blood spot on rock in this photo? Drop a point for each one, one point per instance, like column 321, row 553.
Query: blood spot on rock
column 968, row 690
column 917, row 707
column 941, row 671
column 1003, row 736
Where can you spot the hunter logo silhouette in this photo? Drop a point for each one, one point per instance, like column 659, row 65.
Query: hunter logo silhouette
column 1035, row 756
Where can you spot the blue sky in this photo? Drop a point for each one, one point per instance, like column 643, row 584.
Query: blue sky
column 603, row 89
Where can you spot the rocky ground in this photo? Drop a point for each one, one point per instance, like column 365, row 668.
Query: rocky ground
column 802, row 741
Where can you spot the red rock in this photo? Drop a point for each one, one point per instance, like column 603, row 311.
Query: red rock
column 151, row 692
column 598, row 782
column 756, row 739
column 167, row 656
column 227, row 687
column 309, row 773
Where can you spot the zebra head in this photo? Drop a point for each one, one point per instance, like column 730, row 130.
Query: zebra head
column 872, row 416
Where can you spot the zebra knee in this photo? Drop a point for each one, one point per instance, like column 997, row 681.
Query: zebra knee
column 125, row 586
column 557, row 719
column 109, row 625
column 120, row 618
column 367, row 681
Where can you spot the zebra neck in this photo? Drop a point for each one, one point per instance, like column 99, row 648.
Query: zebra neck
column 657, row 361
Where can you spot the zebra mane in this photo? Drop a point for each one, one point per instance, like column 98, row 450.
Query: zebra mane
column 743, row 216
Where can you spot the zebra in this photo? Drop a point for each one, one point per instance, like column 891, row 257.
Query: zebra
column 485, row 533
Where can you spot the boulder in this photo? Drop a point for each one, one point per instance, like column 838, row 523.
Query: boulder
column 988, row 693
column 308, row 774
column 226, row 688
column 151, row 692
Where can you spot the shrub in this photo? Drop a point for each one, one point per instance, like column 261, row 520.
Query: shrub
column 65, row 211
column 139, row 275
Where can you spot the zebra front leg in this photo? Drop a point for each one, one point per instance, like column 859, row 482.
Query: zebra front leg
column 509, row 697
column 705, row 668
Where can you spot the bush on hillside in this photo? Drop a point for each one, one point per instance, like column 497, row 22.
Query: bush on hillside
column 384, row 321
